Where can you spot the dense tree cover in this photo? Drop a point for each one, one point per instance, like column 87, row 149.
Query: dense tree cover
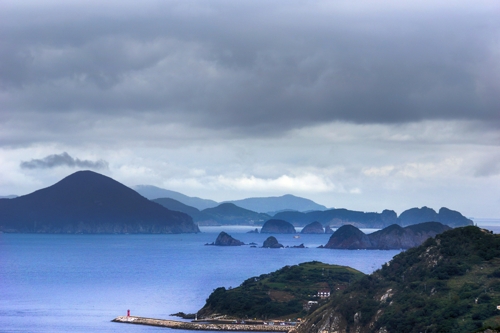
column 449, row 284
column 279, row 294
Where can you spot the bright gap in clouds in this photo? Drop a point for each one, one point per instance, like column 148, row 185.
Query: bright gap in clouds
column 362, row 167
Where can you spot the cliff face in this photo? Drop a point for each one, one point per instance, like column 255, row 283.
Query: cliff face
column 393, row 237
column 448, row 284
column 275, row 226
column 87, row 202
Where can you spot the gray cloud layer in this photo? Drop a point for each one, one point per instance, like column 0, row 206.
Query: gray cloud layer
column 249, row 65
column 64, row 159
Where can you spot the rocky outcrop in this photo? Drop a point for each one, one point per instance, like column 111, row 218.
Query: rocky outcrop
column 313, row 228
column 348, row 237
column 225, row 239
column 88, row 202
column 275, row 226
column 392, row 237
column 272, row 243
column 328, row 229
column 255, row 231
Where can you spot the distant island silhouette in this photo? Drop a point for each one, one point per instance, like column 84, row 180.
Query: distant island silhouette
column 88, row 202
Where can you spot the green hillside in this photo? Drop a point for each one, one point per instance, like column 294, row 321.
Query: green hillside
column 448, row 284
column 280, row 294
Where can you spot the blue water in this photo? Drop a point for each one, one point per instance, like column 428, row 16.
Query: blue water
column 78, row 283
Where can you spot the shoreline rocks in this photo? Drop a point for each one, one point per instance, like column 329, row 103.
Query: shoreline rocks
column 225, row 239
column 272, row 243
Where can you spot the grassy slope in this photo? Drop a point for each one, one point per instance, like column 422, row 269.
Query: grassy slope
column 280, row 294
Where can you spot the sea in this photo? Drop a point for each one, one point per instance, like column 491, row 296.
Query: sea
column 79, row 283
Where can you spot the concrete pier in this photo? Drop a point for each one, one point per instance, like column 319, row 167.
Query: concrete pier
column 200, row 326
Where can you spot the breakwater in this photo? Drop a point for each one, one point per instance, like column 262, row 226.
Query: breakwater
column 200, row 326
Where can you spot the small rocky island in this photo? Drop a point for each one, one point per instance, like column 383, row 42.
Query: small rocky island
column 225, row 239
column 272, row 243
column 275, row 226
column 313, row 228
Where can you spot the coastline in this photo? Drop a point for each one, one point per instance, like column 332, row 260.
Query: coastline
column 174, row 324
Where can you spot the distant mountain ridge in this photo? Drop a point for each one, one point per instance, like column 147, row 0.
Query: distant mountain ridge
column 172, row 204
column 297, row 211
column 339, row 217
column 273, row 204
column 88, row 202
column 223, row 214
column 229, row 213
column 259, row 205
column 152, row 192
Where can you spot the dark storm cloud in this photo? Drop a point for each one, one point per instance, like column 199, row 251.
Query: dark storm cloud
column 253, row 64
column 64, row 159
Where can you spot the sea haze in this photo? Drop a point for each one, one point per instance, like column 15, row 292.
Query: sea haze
column 78, row 283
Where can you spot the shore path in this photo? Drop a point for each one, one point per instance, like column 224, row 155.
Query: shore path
column 200, row 326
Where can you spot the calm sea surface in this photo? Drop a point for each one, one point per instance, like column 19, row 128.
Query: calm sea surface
column 78, row 283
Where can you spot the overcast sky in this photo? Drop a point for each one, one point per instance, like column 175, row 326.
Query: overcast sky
column 364, row 105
